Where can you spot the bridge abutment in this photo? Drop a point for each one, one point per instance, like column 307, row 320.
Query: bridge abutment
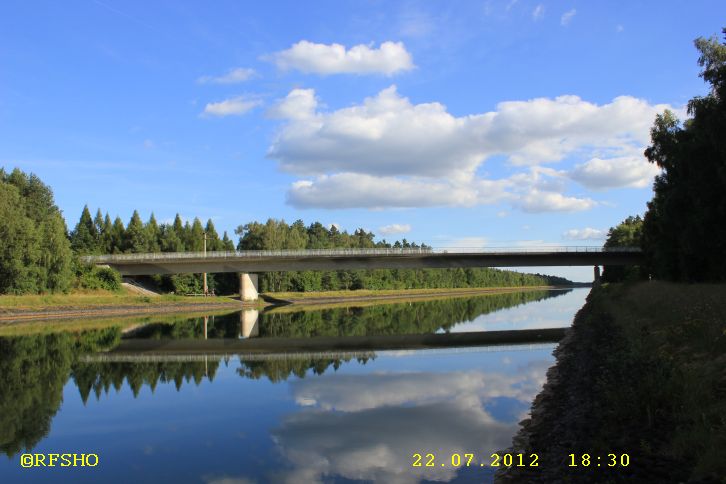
column 248, row 286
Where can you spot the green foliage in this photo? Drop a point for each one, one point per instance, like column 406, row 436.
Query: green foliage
column 627, row 234
column 684, row 234
column 33, row 371
column 35, row 255
column 89, row 276
column 85, row 237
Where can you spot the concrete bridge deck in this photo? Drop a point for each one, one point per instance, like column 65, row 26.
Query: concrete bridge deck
column 339, row 259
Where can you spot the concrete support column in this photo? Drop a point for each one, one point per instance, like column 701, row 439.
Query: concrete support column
column 248, row 284
column 248, row 323
column 597, row 280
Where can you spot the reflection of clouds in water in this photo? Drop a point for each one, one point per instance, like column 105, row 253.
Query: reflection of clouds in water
column 368, row 426
column 352, row 393
column 547, row 313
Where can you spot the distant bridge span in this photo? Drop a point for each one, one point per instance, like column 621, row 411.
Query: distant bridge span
column 249, row 263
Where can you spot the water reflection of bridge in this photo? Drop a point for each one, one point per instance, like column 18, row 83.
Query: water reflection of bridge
column 133, row 349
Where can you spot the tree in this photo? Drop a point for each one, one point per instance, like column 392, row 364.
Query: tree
column 35, row 254
column 118, row 236
column 84, row 238
column 213, row 242
column 627, row 234
column 684, row 235
column 135, row 236
column 105, row 243
column 152, row 234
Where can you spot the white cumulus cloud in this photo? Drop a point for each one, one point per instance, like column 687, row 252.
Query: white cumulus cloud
column 626, row 171
column 587, row 233
column 234, row 76
column 536, row 202
column 389, row 152
column 309, row 57
column 394, row 229
column 231, row 107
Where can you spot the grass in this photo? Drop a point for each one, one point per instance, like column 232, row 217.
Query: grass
column 664, row 372
column 92, row 299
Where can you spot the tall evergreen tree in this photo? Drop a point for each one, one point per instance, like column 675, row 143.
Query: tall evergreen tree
column 213, row 242
column 106, row 235
column 152, row 234
column 118, row 236
column 84, row 238
column 135, row 236
column 170, row 241
column 196, row 236
column 227, row 243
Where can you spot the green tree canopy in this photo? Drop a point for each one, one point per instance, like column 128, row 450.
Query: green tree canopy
column 35, row 254
column 684, row 235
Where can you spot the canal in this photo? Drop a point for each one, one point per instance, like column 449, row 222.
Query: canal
column 334, row 416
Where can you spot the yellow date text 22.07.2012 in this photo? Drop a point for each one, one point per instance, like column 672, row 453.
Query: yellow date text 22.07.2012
column 467, row 460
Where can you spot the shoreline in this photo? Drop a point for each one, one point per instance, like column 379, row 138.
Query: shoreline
column 289, row 301
column 638, row 374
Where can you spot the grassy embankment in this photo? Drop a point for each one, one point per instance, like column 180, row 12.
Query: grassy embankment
column 100, row 299
column 96, row 298
column 643, row 372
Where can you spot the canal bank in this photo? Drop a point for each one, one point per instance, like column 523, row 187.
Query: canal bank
column 642, row 372
column 14, row 309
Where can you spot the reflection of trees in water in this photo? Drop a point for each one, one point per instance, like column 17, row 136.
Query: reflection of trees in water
column 281, row 369
column 403, row 318
column 220, row 326
column 387, row 319
column 33, row 371
column 101, row 377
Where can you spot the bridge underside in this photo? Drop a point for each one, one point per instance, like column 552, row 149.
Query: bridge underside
column 418, row 261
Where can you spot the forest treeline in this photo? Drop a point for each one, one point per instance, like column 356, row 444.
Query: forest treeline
column 99, row 235
column 39, row 254
column 683, row 234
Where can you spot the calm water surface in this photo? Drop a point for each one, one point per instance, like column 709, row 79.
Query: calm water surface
column 356, row 417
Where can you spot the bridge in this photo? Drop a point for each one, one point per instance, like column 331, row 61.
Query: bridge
column 251, row 262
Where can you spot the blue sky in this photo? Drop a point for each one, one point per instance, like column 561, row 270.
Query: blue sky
column 452, row 123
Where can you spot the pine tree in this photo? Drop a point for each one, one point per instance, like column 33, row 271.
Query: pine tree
column 152, row 235
column 135, row 237
column 213, row 242
column 84, row 238
column 118, row 236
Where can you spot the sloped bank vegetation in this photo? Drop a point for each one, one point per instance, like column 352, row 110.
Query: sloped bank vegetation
column 640, row 373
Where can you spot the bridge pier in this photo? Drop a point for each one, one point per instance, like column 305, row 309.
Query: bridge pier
column 596, row 281
column 248, row 323
column 248, row 284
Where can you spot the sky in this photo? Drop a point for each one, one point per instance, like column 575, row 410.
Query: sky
column 459, row 124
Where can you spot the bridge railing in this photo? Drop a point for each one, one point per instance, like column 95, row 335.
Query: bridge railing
column 237, row 254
